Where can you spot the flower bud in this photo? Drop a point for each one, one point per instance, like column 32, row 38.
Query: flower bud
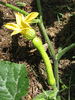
column 29, row 34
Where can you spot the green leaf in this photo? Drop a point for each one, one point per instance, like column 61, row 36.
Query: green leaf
column 47, row 95
column 68, row 8
column 63, row 51
column 58, row 19
column 73, row 57
column 13, row 80
column 60, row 48
column 61, row 14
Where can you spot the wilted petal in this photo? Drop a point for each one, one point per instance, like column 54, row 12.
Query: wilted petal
column 31, row 16
column 11, row 26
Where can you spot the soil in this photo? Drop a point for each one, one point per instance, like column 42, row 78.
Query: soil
column 61, row 33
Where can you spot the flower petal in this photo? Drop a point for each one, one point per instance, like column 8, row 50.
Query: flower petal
column 19, row 18
column 20, row 21
column 31, row 16
column 15, row 32
column 24, row 29
column 25, row 24
column 11, row 26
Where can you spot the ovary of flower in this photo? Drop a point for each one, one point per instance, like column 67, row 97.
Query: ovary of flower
column 23, row 23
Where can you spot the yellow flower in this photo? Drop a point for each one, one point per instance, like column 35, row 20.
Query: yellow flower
column 23, row 25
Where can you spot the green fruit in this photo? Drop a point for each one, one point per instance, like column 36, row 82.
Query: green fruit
column 50, row 77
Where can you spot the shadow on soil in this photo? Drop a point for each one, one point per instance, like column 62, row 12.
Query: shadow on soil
column 50, row 10
column 68, row 79
column 1, row 19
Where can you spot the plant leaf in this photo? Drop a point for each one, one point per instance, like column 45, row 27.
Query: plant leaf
column 13, row 80
column 61, row 14
column 58, row 19
column 63, row 51
column 47, row 95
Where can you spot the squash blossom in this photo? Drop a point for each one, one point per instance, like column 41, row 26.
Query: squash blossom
column 23, row 25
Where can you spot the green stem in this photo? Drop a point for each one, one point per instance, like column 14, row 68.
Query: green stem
column 56, row 76
column 40, row 10
column 44, row 31
column 14, row 8
column 50, row 46
column 56, row 73
column 62, row 52
column 19, row 10
column 47, row 39
column 69, row 88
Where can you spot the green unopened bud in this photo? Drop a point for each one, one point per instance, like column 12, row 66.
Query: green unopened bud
column 29, row 34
